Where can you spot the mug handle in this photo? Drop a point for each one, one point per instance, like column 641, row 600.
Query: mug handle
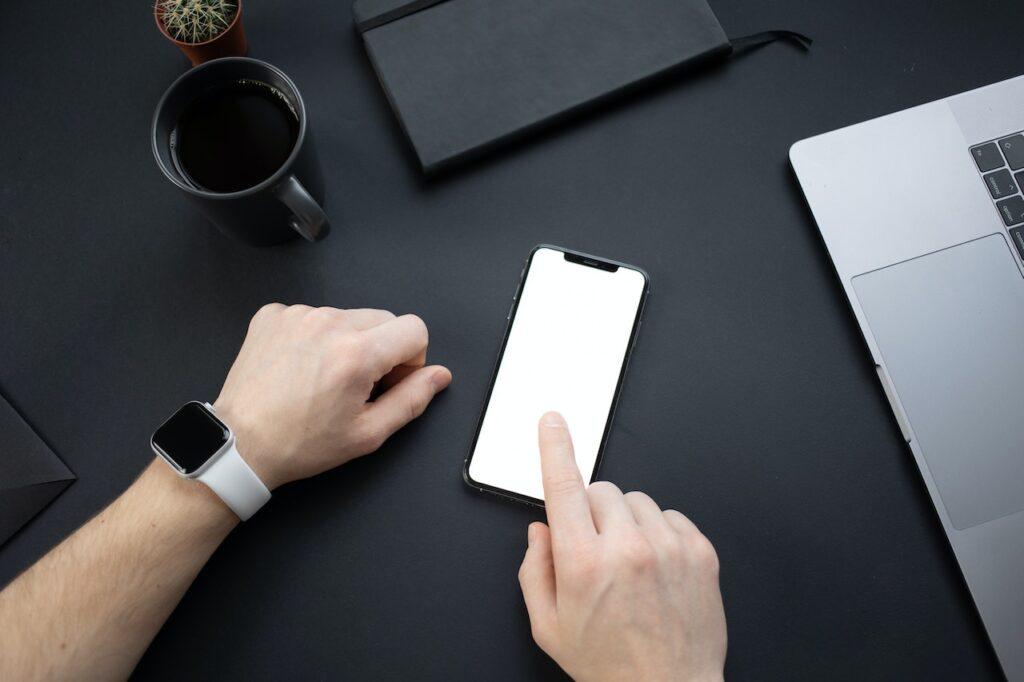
column 308, row 219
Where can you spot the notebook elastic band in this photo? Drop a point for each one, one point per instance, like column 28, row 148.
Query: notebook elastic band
column 747, row 43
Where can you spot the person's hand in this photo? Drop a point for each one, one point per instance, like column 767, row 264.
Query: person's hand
column 298, row 395
column 618, row 589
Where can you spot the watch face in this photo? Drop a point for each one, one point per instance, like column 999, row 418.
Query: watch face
column 191, row 437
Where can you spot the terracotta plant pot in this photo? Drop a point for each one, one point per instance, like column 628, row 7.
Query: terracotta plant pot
column 230, row 42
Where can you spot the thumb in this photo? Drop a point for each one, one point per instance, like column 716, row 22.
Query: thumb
column 407, row 399
column 537, row 580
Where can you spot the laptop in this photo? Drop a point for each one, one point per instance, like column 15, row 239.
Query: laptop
column 922, row 212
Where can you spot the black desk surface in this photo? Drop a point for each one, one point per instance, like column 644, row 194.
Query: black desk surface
column 751, row 404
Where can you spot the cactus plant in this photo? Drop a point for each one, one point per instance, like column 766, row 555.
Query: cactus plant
column 196, row 21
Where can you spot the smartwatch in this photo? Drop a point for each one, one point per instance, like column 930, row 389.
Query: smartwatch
column 200, row 447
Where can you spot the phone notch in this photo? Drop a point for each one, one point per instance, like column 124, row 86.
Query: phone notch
column 590, row 262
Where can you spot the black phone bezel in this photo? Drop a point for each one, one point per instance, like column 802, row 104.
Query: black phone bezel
column 585, row 260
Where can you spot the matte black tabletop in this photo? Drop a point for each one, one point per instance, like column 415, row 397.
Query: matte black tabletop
column 751, row 404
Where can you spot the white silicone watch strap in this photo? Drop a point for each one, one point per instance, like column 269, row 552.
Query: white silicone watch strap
column 232, row 479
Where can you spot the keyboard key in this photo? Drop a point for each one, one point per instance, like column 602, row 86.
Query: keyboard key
column 1012, row 210
column 1013, row 150
column 1000, row 184
column 987, row 157
column 1017, row 237
column 1020, row 179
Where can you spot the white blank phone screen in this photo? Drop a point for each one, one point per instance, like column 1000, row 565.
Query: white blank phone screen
column 565, row 352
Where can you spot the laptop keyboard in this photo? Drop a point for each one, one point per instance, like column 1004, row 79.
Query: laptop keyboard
column 1001, row 164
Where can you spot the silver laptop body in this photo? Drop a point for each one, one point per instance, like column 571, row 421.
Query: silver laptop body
column 923, row 216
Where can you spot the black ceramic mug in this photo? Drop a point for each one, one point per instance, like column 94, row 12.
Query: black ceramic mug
column 199, row 143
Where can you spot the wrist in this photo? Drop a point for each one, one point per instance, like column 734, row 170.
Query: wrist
column 186, row 500
column 250, row 445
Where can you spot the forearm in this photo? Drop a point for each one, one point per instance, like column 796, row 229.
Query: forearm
column 298, row 399
column 89, row 608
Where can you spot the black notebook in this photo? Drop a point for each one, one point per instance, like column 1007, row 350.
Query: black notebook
column 465, row 75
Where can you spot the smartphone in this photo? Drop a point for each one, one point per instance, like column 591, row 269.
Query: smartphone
column 572, row 325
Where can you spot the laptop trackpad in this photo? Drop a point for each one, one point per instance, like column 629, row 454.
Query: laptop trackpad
column 950, row 327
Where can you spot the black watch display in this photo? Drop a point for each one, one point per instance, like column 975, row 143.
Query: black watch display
column 190, row 438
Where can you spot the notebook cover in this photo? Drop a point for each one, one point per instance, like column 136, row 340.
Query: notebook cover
column 465, row 75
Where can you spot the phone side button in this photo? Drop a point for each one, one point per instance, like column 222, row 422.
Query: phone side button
column 511, row 308
column 890, row 394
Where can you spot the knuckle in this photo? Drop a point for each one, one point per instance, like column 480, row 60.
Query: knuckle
column 424, row 395
column 562, row 483
column 674, row 550
column 322, row 316
column 703, row 554
column 415, row 406
column 524, row 572
column 602, row 488
column 272, row 307
column 639, row 554
column 265, row 311
column 678, row 521
column 418, row 326
column 672, row 513
column 636, row 496
column 374, row 440
column 372, row 436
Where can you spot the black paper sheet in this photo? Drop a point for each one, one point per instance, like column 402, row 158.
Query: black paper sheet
column 31, row 476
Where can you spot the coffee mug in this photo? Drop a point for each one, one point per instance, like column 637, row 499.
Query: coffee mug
column 233, row 135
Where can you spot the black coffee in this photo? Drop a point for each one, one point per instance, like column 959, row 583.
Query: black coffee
column 234, row 136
